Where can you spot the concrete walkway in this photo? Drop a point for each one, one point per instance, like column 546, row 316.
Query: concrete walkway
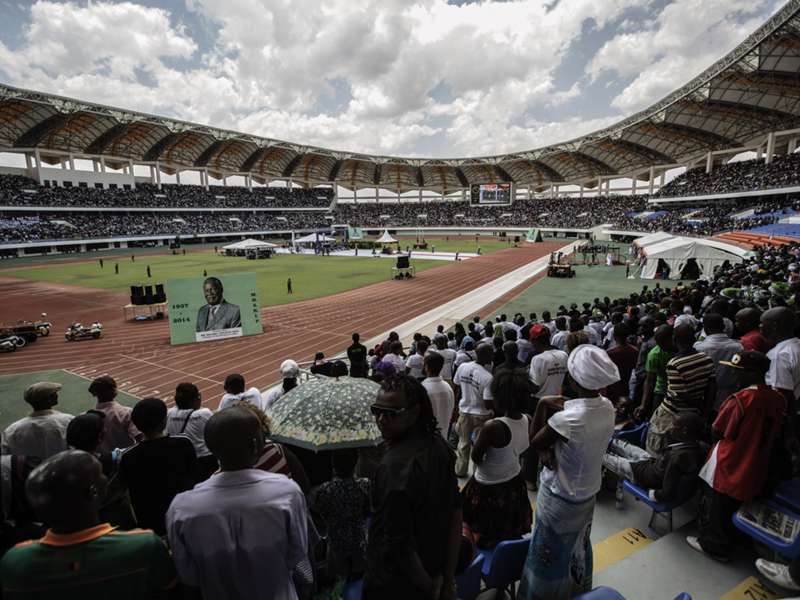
column 465, row 306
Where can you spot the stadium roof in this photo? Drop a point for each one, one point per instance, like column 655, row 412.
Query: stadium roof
column 753, row 90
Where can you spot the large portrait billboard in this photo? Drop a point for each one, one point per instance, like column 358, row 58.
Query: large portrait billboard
column 202, row 309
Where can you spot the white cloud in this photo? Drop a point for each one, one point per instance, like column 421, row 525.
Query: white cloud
column 269, row 67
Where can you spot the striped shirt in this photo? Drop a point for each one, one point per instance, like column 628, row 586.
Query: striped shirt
column 688, row 375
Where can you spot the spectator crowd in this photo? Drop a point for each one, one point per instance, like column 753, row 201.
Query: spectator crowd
column 622, row 212
column 186, row 502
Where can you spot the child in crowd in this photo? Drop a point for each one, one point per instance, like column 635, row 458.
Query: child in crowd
column 344, row 505
column 663, row 476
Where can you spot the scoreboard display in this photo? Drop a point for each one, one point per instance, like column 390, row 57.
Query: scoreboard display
column 491, row 193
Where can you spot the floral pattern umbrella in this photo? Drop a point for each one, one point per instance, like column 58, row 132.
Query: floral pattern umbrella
column 327, row 414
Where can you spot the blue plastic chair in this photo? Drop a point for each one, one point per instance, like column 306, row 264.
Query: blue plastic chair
column 635, row 435
column 468, row 583
column 502, row 567
column 788, row 549
column 601, row 593
column 607, row 593
column 352, row 590
column 664, row 509
column 788, row 494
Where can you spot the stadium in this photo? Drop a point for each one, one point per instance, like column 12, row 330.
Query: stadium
column 672, row 235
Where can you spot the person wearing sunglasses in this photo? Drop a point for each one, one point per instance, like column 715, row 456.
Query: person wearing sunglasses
column 415, row 531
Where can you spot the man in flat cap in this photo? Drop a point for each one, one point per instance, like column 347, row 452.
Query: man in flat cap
column 43, row 433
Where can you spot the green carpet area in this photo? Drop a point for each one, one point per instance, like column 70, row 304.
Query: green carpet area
column 459, row 243
column 589, row 283
column 74, row 397
column 312, row 276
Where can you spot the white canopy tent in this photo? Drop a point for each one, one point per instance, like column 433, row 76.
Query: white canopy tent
column 653, row 238
column 385, row 238
column 678, row 251
column 248, row 244
column 313, row 238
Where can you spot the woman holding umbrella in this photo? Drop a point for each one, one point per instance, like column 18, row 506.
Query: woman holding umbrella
column 415, row 532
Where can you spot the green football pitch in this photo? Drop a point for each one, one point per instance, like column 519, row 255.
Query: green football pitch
column 74, row 397
column 312, row 276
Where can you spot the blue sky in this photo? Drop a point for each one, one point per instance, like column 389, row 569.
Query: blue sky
column 421, row 78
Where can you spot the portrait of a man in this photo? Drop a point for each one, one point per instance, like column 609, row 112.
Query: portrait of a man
column 216, row 313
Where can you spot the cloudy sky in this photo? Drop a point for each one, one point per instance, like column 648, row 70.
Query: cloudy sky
column 417, row 77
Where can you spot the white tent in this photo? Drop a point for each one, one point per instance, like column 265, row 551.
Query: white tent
column 313, row 238
column 385, row 238
column 678, row 251
column 248, row 244
column 653, row 238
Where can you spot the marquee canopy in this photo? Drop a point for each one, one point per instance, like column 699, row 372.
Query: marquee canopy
column 742, row 97
column 678, row 251
column 249, row 244
column 385, row 238
column 313, row 238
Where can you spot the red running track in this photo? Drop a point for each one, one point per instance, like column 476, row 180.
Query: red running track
column 139, row 356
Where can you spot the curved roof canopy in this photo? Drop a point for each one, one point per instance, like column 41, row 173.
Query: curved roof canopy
column 753, row 90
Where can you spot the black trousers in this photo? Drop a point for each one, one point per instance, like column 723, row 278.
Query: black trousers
column 717, row 532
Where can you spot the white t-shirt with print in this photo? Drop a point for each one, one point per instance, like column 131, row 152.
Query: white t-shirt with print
column 547, row 371
column 414, row 365
column 474, row 381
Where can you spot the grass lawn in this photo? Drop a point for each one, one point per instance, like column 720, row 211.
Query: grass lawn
column 460, row 243
column 589, row 283
column 312, row 276
column 74, row 397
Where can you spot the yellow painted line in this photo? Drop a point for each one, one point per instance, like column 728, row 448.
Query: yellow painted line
column 750, row 589
column 619, row 546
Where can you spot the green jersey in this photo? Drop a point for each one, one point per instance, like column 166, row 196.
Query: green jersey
column 95, row 563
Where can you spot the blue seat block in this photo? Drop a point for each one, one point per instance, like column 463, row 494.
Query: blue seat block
column 787, row 549
column 352, row 591
column 502, row 567
column 468, row 583
column 601, row 593
column 688, row 488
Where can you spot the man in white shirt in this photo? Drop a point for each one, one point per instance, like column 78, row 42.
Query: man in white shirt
column 548, row 322
column 235, row 392
column 414, row 362
column 778, row 326
column 243, row 532
column 43, row 433
column 393, row 357
column 449, row 357
column 478, row 327
column 289, row 372
column 474, row 379
column 439, row 391
column 549, row 365
column 466, row 353
column 559, row 339
column 719, row 347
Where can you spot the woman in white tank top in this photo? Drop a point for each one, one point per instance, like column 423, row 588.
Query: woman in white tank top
column 496, row 504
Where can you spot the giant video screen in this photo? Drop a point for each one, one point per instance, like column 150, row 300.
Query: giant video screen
column 491, row 193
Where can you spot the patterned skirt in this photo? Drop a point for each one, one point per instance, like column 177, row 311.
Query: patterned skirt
column 559, row 563
column 497, row 512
